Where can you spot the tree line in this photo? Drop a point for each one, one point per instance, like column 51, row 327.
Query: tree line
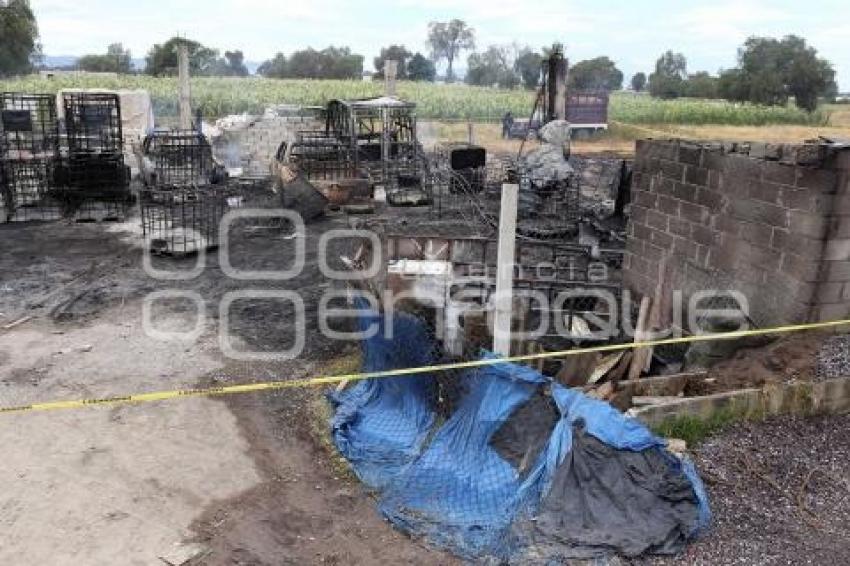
column 769, row 71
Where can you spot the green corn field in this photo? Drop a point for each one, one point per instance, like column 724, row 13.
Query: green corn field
column 217, row 97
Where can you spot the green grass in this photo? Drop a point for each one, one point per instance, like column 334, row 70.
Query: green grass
column 220, row 96
column 693, row 429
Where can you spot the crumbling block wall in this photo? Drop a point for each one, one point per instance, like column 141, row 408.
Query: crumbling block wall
column 252, row 144
column 770, row 221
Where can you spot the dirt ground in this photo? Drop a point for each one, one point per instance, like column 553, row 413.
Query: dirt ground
column 246, row 480
column 131, row 484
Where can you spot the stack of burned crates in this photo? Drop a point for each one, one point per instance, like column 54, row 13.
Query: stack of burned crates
column 30, row 188
column 184, row 198
column 96, row 176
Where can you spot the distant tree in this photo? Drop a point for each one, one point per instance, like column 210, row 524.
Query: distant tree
column 162, row 59
column 494, row 67
column 394, row 52
column 638, row 82
column 595, row 74
column 274, row 68
column 527, row 66
column 329, row 63
column 19, row 46
column 701, row 85
column 421, row 68
column 236, row 63
column 770, row 71
column 115, row 60
column 731, row 85
column 671, row 72
column 448, row 40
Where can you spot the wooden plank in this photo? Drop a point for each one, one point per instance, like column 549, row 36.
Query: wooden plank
column 640, row 354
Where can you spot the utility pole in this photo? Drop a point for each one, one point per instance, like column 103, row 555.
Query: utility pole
column 185, row 92
column 505, row 270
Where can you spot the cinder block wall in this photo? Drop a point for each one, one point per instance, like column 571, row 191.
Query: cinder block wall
column 252, row 146
column 771, row 221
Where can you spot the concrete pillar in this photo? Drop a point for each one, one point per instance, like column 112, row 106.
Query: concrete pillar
column 390, row 75
column 505, row 271
column 185, row 92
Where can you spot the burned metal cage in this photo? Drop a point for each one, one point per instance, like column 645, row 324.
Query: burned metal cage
column 29, row 155
column 93, row 122
column 179, row 158
column 381, row 133
column 180, row 222
column 97, row 177
column 181, row 207
column 320, row 157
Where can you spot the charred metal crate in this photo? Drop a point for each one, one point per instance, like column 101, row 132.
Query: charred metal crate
column 29, row 153
column 98, row 187
column 93, row 122
column 178, row 159
column 178, row 222
column 28, row 191
column 28, row 126
column 320, row 157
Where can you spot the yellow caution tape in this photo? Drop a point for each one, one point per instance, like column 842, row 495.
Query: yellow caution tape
column 331, row 380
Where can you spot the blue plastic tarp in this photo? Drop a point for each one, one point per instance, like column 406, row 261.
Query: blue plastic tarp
column 444, row 480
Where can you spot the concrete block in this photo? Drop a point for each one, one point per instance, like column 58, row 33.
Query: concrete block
column 839, row 227
column 801, row 268
column 696, row 175
column 667, row 205
column 704, row 235
column 685, row 248
column 765, row 191
column 672, row 169
column 638, row 214
column 837, row 250
column 645, row 199
column 807, row 224
column 693, row 212
column 826, row 313
column 817, row 178
column 757, row 233
column 641, row 231
column 837, row 271
column 684, row 192
column 829, row 293
column 745, row 209
column 742, row 167
column 805, row 246
column 690, row 154
column 679, row 227
column 656, row 219
column 714, row 180
column 662, row 239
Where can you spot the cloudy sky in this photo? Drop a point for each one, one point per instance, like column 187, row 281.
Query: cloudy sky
column 633, row 33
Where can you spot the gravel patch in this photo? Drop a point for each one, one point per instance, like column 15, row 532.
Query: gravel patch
column 779, row 493
column 834, row 358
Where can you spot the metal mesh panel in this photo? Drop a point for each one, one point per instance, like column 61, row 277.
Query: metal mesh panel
column 180, row 158
column 183, row 221
column 93, row 122
column 29, row 152
column 321, row 157
column 29, row 128
column 27, row 191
